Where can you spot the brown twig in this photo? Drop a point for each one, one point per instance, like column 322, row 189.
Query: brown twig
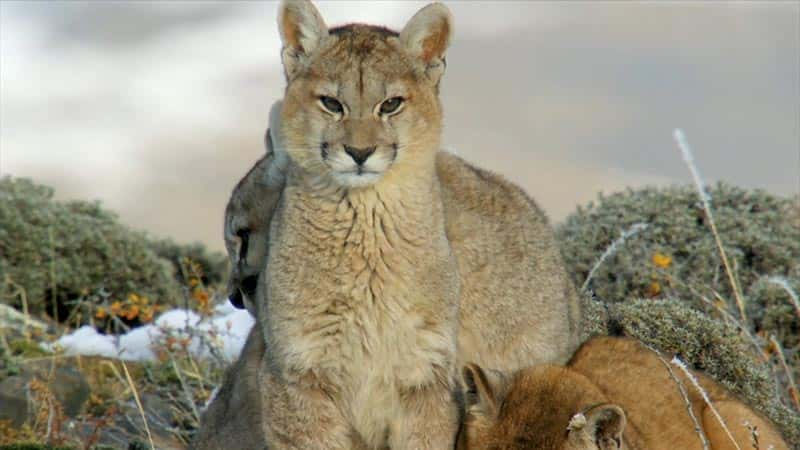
column 782, row 358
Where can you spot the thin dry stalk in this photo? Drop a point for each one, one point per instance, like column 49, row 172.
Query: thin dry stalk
column 53, row 273
column 19, row 291
column 782, row 358
column 612, row 249
column 793, row 297
column 686, row 151
column 26, row 313
column 681, row 365
column 114, row 370
column 199, row 374
column 138, row 404
column 184, row 388
column 4, row 342
column 682, row 389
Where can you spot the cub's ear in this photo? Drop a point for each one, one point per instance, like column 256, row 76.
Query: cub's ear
column 302, row 29
column 483, row 390
column 602, row 424
column 427, row 36
column 275, row 174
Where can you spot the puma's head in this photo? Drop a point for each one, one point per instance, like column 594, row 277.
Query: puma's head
column 543, row 408
column 362, row 101
column 248, row 216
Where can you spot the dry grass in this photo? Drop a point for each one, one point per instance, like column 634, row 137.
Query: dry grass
column 688, row 158
column 138, row 404
column 681, row 365
column 698, row 428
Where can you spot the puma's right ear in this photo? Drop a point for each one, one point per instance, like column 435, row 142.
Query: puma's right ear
column 483, row 390
column 302, row 29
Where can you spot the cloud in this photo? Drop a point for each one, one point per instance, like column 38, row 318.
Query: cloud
column 157, row 108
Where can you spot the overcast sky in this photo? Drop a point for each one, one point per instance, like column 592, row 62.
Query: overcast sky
column 157, row 108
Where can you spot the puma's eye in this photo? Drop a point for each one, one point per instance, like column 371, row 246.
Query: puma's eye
column 391, row 105
column 331, row 105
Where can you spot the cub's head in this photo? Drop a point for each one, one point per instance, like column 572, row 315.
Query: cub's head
column 248, row 216
column 542, row 408
column 361, row 101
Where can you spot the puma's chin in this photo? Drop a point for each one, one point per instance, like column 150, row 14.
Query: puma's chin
column 357, row 178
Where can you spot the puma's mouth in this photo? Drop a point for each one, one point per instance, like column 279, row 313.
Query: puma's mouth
column 357, row 177
column 361, row 171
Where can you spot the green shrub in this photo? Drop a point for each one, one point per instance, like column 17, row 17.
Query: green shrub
column 61, row 252
column 705, row 344
column 25, row 446
column 676, row 256
column 214, row 265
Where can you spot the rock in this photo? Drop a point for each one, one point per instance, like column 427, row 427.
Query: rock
column 14, row 400
column 71, row 389
column 67, row 385
column 159, row 418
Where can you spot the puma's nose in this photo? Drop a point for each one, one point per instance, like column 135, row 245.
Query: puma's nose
column 359, row 155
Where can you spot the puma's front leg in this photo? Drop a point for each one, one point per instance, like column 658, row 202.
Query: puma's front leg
column 303, row 417
column 428, row 419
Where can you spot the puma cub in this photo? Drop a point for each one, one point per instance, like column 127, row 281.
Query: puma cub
column 614, row 394
column 233, row 419
column 234, row 416
column 247, row 219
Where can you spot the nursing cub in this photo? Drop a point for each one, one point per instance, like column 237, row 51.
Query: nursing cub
column 614, row 394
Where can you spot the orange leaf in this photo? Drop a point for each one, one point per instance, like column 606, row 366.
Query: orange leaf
column 132, row 312
column 654, row 289
column 661, row 260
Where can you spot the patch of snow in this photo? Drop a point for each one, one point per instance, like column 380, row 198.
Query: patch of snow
column 137, row 344
column 235, row 326
column 223, row 333
column 86, row 341
column 177, row 318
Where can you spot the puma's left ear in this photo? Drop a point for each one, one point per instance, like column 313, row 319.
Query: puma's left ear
column 427, row 36
column 602, row 424
column 302, row 29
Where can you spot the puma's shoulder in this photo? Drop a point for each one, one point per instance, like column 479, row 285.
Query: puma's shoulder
column 515, row 285
column 476, row 190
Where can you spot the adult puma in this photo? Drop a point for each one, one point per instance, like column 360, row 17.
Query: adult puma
column 391, row 262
